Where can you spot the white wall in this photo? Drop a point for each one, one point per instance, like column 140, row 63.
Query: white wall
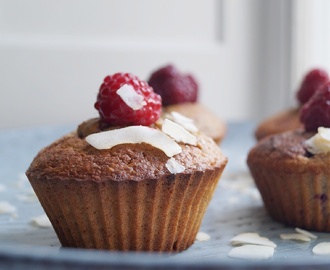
column 55, row 54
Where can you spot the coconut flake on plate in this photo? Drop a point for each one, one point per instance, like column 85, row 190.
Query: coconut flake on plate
column 307, row 233
column 202, row 236
column 134, row 134
column 22, row 181
column 131, row 97
column 322, row 248
column 234, row 200
column 41, row 221
column 254, row 194
column 173, row 166
column 251, row 238
column 252, row 252
column 28, row 197
column 295, row 236
column 7, row 208
column 178, row 133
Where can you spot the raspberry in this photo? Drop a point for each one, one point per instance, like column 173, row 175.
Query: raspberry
column 114, row 111
column 316, row 112
column 173, row 86
column 311, row 82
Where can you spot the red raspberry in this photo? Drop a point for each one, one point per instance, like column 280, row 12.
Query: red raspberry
column 316, row 112
column 173, row 86
column 311, row 82
column 114, row 111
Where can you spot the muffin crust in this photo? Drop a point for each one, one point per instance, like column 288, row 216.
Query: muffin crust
column 286, row 151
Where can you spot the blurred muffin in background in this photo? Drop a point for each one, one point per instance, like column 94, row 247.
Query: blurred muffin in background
column 289, row 119
column 179, row 93
column 291, row 169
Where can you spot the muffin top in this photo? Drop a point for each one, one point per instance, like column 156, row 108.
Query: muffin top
column 288, row 151
column 71, row 157
column 303, row 150
column 130, row 140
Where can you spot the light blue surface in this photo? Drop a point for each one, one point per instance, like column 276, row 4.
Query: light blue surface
column 235, row 208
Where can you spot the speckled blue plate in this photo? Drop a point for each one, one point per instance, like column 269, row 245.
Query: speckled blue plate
column 235, row 208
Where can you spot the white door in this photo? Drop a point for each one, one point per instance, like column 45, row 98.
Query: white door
column 55, row 54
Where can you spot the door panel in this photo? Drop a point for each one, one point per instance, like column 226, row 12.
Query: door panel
column 54, row 55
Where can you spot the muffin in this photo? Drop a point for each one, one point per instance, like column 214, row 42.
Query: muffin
column 128, row 180
column 289, row 119
column 291, row 169
column 179, row 93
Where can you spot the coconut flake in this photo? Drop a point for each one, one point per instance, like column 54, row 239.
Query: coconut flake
column 28, row 197
column 173, row 166
column 130, row 97
column 134, row 134
column 202, row 236
column 304, row 232
column 320, row 142
column 295, row 236
column 322, row 248
column 184, row 121
column 22, row 181
column 178, row 133
column 251, row 238
column 41, row 221
column 7, row 208
column 252, row 252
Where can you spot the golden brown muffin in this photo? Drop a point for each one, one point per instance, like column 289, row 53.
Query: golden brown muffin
column 125, row 198
column 294, row 184
column 205, row 120
column 283, row 121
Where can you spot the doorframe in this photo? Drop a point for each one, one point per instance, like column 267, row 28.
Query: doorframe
column 275, row 58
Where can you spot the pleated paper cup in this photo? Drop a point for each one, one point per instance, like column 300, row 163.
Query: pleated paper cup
column 150, row 215
column 295, row 195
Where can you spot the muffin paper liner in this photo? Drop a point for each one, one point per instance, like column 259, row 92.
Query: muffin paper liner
column 295, row 199
column 150, row 215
